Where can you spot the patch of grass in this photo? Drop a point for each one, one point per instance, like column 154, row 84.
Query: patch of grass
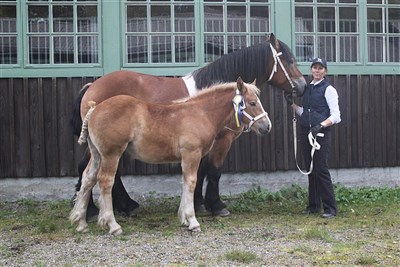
column 241, row 256
column 317, row 233
column 366, row 260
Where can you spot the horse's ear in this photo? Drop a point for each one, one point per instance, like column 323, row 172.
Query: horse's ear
column 274, row 41
column 239, row 84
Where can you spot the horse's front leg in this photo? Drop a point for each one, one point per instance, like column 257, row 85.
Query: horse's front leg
column 214, row 163
column 190, row 165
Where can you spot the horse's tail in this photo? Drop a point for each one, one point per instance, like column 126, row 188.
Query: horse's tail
column 84, row 131
column 76, row 120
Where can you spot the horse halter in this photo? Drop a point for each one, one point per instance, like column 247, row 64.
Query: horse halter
column 277, row 60
column 239, row 106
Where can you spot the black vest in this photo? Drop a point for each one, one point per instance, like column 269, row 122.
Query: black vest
column 316, row 109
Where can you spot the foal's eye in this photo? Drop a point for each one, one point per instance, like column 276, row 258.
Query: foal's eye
column 253, row 104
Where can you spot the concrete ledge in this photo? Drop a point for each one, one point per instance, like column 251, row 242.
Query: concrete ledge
column 139, row 187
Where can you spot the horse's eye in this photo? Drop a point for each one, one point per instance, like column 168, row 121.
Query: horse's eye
column 253, row 104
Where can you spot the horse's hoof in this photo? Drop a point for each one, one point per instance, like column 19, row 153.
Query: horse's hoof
column 221, row 213
column 92, row 218
column 201, row 210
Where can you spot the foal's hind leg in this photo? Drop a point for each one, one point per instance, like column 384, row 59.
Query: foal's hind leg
column 78, row 213
column 92, row 210
column 108, row 168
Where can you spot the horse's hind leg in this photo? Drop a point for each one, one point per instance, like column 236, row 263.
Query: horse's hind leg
column 108, row 168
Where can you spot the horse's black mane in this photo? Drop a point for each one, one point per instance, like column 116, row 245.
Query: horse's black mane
column 249, row 63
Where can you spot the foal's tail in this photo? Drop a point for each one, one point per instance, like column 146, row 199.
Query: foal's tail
column 85, row 132
column 76, row 120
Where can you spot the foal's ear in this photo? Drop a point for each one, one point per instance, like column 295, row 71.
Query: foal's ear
column 239, row 84
column 254, row 82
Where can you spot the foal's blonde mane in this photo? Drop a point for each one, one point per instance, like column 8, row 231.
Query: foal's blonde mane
column 218, row 86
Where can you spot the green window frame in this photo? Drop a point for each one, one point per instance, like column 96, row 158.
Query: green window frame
column 219, row 27
column 61, row 33
column 212, row 28
column 383, row 27
column 328, row 29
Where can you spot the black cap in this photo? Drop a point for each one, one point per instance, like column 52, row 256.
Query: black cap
column 319, row 61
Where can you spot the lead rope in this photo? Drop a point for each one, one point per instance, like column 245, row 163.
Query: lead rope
column 313, row 142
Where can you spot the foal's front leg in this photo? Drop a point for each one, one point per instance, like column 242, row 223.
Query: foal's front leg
column 190, row 165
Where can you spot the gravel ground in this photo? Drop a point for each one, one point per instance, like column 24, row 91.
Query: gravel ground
column 142, row 249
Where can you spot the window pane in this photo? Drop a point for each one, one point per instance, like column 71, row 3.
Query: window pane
column 304, row 48
column 236, row 19
column 374, row 16
column 326, row 47
column 259, row 19
column 394, row 20
column 8, row 51
column 348, row 19
column 213, row 19
column 348, row 49
column 304, row 19
column 137, row 49
column 63, row 18
column 39, row 50
column 8, row 19
column 88, row 49
column 136, row 19
column 38, row 18
column 375, row 49
column 87, row 19
column 394, row 51
column 185, row 49
column 394, row 2
column 161, row 49
column 213, row 47
column 236, row 43
column 63, row 49
column 160, row 18
column 184, row 18
column 326, row 19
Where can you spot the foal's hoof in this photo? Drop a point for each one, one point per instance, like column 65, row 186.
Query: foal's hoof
column 221, row 213
column 116, row 232
column 195, row 229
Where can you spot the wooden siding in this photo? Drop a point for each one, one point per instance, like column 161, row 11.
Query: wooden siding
column 36, row 139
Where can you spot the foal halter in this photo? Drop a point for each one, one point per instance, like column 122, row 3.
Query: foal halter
column 277, row 60
column 239, row 106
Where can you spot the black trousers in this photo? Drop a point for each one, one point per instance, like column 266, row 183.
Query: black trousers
column 320, row 187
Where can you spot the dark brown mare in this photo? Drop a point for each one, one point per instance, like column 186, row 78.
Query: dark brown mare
column 156, row 133
column 271, row 62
